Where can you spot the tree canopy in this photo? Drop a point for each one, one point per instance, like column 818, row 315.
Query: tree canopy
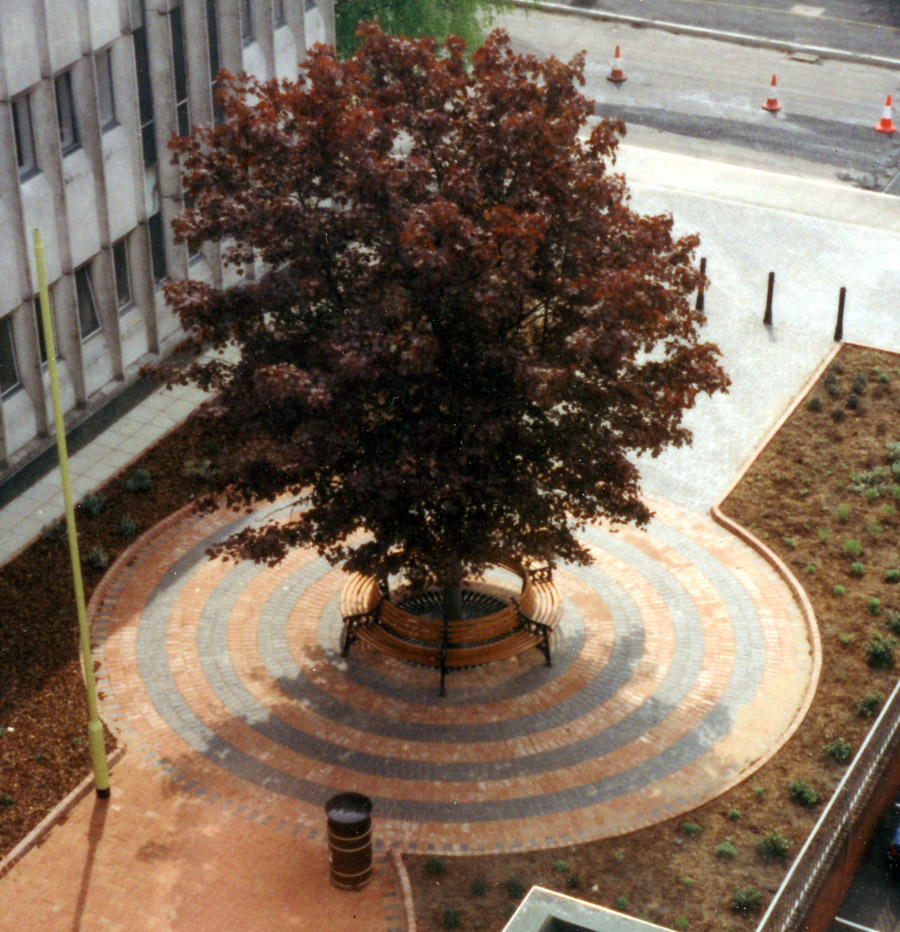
column 416, row 18
column 458, row 333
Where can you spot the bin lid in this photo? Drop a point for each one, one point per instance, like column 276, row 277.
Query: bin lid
column 348, row 808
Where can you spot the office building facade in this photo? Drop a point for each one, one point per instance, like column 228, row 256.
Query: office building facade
column 90, row 93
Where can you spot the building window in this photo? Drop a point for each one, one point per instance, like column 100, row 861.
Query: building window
column 106, row 101
column 144, row 87
column 39, row 320
column 9, row 369
column 212, row 37
column 88, row 321
column 24, row 133
column 123, row 274
column 182, row 107
column 278, row 15
column 157, row 247
column 247, row 21
column 65, row 112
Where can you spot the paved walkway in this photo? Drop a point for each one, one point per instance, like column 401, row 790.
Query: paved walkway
column 681, row 660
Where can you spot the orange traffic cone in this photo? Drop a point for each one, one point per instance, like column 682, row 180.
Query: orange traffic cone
column 617, row 76
column 886, row 123
column 771, row 103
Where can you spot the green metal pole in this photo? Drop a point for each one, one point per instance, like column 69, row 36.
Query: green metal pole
column 96, row 741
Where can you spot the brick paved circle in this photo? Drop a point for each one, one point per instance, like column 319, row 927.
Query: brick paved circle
column 680, row 662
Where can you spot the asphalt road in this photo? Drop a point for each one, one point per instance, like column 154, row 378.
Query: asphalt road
column 702, row 97
column 871, row 28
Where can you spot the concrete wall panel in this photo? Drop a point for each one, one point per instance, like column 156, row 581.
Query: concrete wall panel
column 63, row 39
column 38, row 213
column 81, row 207
column 104, row 20
column 120, row 183
column 22, row 60
column 97, row 363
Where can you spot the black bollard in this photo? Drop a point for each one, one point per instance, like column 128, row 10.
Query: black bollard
column 767, row 318
column 700, row 287
column 839, row 326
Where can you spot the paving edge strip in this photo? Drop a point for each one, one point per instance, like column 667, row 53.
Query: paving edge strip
column 405, row 890
column 56, row 815
column 777, row 564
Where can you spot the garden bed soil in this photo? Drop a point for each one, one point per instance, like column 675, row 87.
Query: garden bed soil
column 799, row 497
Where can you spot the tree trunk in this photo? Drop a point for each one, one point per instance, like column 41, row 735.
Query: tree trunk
column 451, row 593
column 451, row 603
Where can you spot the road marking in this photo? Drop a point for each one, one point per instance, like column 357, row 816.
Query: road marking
column 800, row 10
column 855, row 925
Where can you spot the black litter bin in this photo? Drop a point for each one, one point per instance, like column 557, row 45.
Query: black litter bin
column 350, row 839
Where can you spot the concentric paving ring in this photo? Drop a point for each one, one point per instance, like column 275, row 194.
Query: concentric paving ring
column 681, row 661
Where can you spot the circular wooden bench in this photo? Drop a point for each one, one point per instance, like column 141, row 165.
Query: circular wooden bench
column 521, row 620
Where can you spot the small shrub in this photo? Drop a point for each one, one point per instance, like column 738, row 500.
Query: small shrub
column 688, row 881
column 853, row 547
column 803, row 793
column 880, row 651
column 746, row 899
column 852, row 402
column 892, row 451
column 837, row 414
column 893, row 621
column 139, row 481
column 860, row 383
column 435, row 866
column 838, row 750
column 822, row 535
column 681, row 923
column 561, row 866
column 572, row 882
column 6, row 800
column 690, row 828
column 451, row 918
column 790, row 542
column 884, row 378
column 858, row 570
column 725, row 849
column 874, row 528
column 842, row 514
column 515, row 887
column 94, row 504
column 54, row 531
column 811, row 569
column 889, row 510
column 869, row 705
column 892, row 576
column 733, row 814
column 814, row 403
column 874, row 606
column 839, row 590
column 870, row 494
column 96, row 559
column 618, row 857
column 759, row 791
column 845, row 638
column 127, row 526
column 479, row 887
column 773, row 844
column 621, row 902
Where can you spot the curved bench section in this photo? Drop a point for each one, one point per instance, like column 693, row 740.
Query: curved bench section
column 526, row 621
